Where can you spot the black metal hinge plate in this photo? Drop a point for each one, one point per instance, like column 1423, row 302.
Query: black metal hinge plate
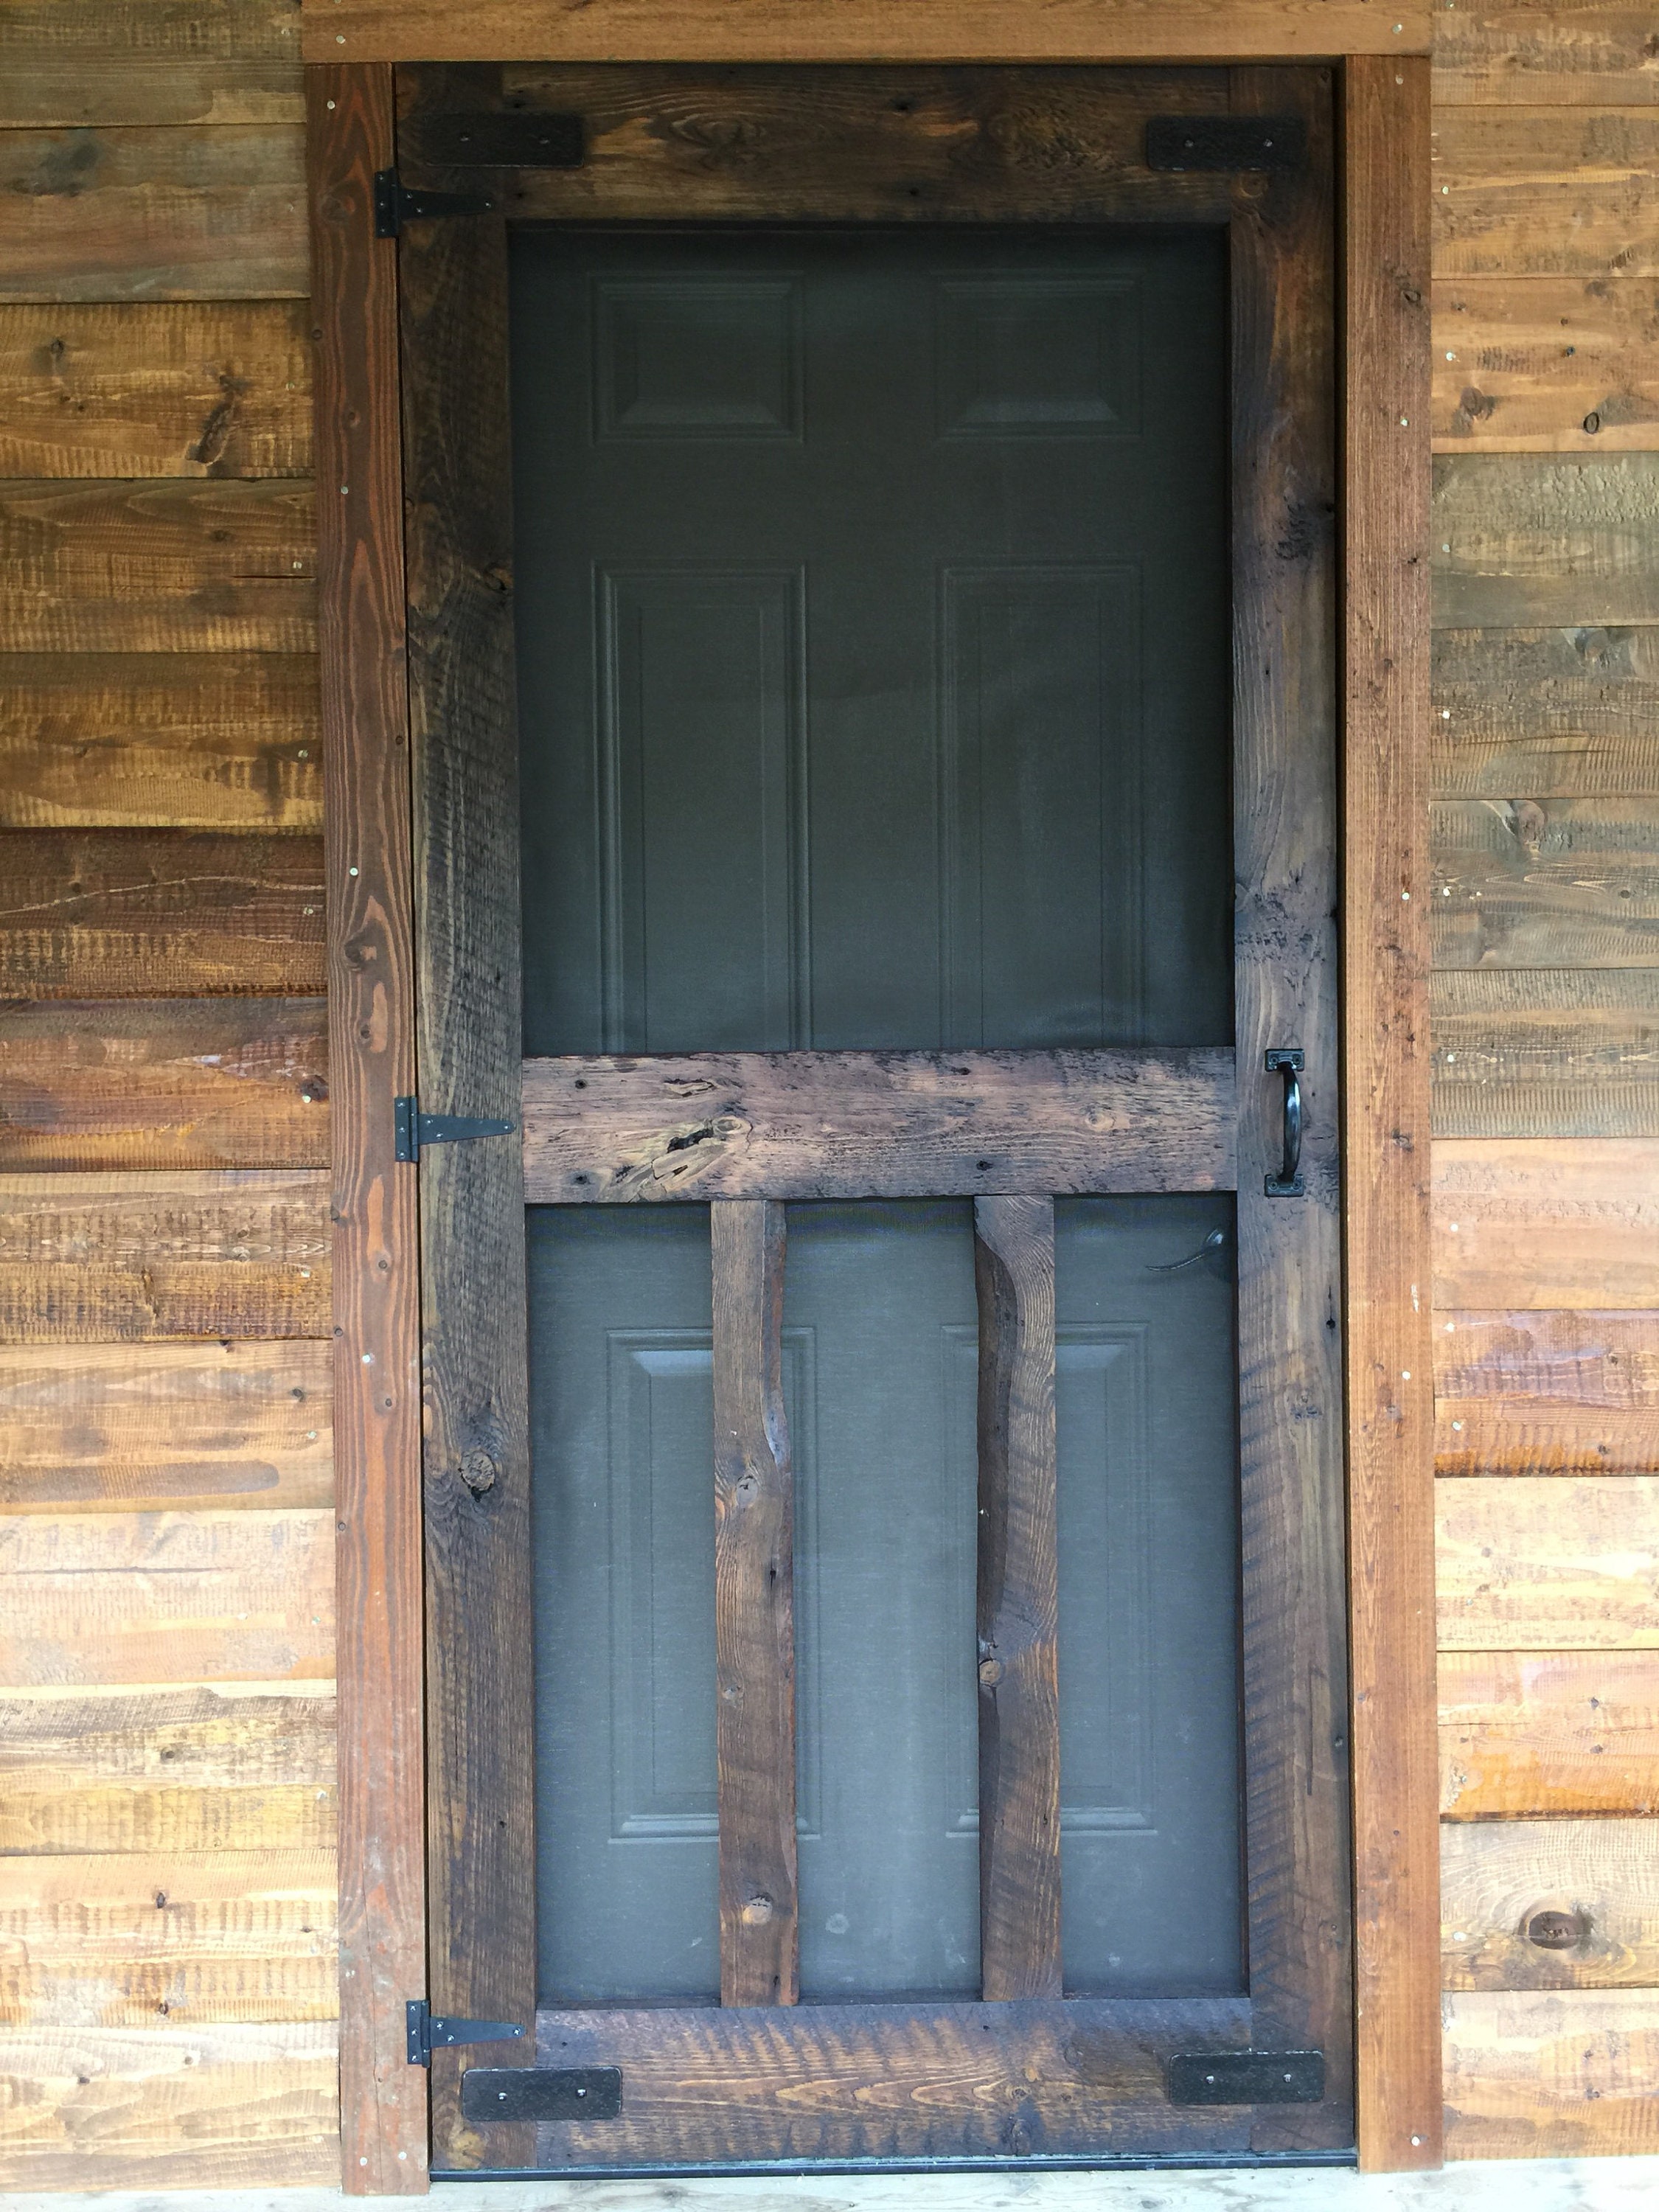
column 512, row 139
column 1247, row 2077
column 395, row 204
column 542, row 2093
column 1226, row 142
column 411, row 1129
column 428, row 2031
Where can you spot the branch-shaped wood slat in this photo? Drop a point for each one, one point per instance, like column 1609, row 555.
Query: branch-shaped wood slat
column 754, row 1609
column 616, row 1130
column 1019, row 1610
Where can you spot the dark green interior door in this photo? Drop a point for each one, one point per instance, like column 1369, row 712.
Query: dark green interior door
column 873, row 626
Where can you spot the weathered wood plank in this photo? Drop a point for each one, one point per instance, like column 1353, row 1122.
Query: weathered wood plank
column 92, row 1259
column 1557, row 191
column 136, row 390
column 1386, row 1107
column 1532, row 53
column 132, row 1428
column 110, row 914
column 163, row 1083
column 861, row 144
column 860, row 30
column 1541, row 714
column 1544, row 364
column 480, row 1604
column 1546, row 883
column 1534, row 1224
column 1548, row 1732
column 160, row 567
column 160, row 2107
column 1528, row 1562
column 1547, row 1393
column 720, row 2085
column 754, row 1609
column 371, row 1035
column 878, row 1125
column 223, row 1768
column 123, row 213
column 1559, row 2076
column 1018, row 1602
column 1534, row 538
column 166, row 1597
column 148, row 61
column 159, row 740
column 1559, row 1052
column 188, row 1938
column 1550, row 1905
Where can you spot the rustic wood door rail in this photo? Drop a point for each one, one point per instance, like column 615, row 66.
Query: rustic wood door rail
column 426, row 983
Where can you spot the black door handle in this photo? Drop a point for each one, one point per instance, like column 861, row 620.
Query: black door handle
column 1288, row 1183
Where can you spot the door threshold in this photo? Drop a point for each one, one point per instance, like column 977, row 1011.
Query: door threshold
column 779, row 2169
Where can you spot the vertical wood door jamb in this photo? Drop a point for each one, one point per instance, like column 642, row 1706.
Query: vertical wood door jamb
column 371, row 1009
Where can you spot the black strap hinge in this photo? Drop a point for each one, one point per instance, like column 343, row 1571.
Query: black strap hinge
column 429, row 2032
column 1178, row 142
column 411, row 1128
column 395, row 204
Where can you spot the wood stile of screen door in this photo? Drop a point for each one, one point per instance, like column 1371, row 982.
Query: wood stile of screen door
column 1026, row 2073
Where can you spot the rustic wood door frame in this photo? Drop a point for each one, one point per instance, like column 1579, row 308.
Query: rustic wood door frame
column 1384, row 625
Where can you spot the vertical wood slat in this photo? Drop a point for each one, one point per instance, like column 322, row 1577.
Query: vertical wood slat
column 1293, row 1645
column 753, row 1608
column 377, row 1428
column 480, row 1599
column 1386, row 903
column 1018, row 1601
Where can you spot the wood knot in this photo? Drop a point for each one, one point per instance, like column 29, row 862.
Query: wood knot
column 757, row 1911
column 990, row 1673
column 1554, row 1930
column 478, row 1470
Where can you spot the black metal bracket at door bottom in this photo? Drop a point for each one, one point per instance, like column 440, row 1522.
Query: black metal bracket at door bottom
column 1225, row 142
column 428, row 2031
column 411, row 1128
column 542, row 2093
column 1246, row 2077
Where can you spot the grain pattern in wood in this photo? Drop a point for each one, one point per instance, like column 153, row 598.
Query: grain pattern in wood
column 1533, row 1224
column 753, row 1608
column 1547, row 1393
column 878, row 1125
column 1536, row 1733
column 377, row 1412
column 95, row 1259
column 1550, row 1905
column 1532, row 53
column 1559, row 1052
column 188, row 1938
column 1569, row 713
column 158, row 914
column 227, row 2107
column 1391, row 1408
column 1563, row 1561
column 1546, row 364
column 1546, row 883
column 157, row 1083
column 158, row 567
column 228, row 1767
column 859, row 145
column 166, row 1597
column 1547, row 192
column 136, row 390
column 892, row 2080
column 159, row 740
column 96, row 92
column 113, row 212
column 859, row 31
column 1535, row 538
column 479, row 1601
column 128, row 1428
column 1018, row 1602
column 1557, row 2074
column 148, row 61
column 83, row 32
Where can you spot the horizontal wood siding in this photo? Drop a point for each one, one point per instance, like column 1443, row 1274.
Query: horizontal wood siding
column 167, row 1813
column 1546, row 839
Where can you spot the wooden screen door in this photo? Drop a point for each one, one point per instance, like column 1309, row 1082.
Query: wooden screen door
column 884, row 1486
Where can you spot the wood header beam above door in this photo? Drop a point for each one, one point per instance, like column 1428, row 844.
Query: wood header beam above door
column 992, row 31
